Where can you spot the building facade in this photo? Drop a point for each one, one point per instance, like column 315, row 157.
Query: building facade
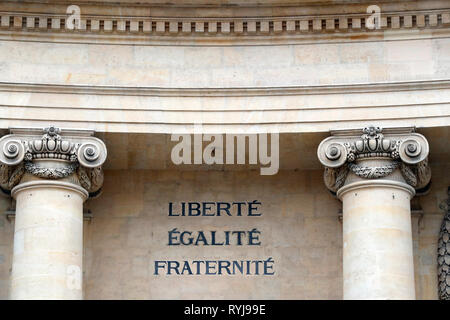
column 225, row 149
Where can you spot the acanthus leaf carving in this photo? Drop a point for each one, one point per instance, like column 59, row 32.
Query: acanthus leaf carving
column 408, row 175
column 335, row 178
column 90, row 179
column 10, row 175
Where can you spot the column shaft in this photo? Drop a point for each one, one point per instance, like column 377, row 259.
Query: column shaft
column 376, row 175
column 377, row 246
column 50, row 172
column 48, row 241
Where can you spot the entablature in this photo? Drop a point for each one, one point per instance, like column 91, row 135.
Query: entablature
column 198, row 23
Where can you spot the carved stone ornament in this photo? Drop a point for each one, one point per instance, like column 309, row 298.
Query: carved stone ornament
column 401, row 149
column 52, row 154
column 444, row 252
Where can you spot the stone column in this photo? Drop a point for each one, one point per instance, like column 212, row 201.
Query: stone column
column 375, row 175
column 49, row 174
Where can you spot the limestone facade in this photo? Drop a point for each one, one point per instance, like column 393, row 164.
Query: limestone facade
column 86, row 117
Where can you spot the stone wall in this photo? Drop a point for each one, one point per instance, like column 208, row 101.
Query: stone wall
column 426, row 233
column 225, row 66
column 300, row 230
column 299, row 224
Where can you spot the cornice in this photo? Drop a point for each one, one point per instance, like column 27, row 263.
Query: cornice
column 226, row 92
column 124, row 5
column 204, row 26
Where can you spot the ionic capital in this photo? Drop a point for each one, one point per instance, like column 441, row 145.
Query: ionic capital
column 372, row 154
column 54, row 154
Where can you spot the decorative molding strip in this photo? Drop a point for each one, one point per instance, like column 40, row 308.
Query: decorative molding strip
column 68, row 132
column 212, row 27
column 11, row 215
column 226, row 92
